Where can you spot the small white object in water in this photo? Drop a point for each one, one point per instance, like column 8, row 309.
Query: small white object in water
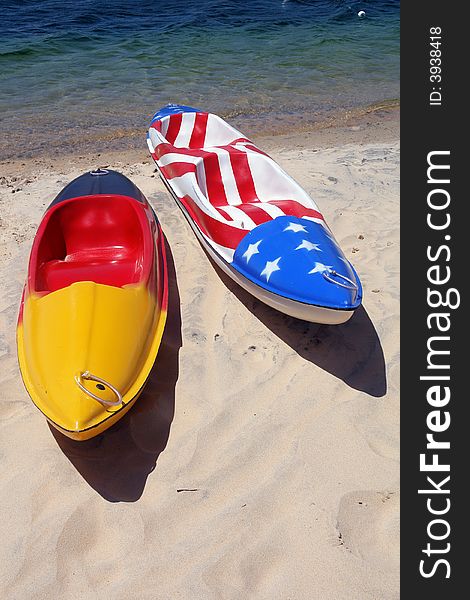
column 361, row 13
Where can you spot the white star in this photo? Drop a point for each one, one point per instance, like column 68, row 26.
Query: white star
column 252, row 249
column 270, row 267
column 309, row 246
column 296, row 227
column 319, row 268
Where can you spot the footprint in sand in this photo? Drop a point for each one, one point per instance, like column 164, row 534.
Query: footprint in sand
column 368, row 527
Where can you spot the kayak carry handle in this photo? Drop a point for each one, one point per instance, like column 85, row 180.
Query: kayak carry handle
column 87, row 375
column 350, row 285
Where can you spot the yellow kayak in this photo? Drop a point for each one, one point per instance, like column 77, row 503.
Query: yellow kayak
column 94, row 304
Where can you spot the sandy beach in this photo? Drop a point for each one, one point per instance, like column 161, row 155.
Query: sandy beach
column 262, row 460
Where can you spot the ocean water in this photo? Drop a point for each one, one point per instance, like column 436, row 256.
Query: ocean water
column 93, row 72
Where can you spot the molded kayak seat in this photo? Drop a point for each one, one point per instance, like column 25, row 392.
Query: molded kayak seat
column 86, row 240
column 58, row 274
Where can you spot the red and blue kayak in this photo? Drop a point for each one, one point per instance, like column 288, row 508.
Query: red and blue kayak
column 252, row 218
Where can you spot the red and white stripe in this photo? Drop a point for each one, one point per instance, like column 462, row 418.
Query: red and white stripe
column 226, row 185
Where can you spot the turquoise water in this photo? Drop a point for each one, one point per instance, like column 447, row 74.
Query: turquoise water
column 94, row 72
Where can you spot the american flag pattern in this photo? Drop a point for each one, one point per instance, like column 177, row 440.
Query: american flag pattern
column 254, row 215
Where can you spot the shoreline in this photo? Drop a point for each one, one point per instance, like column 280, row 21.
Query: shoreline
column 379, row 122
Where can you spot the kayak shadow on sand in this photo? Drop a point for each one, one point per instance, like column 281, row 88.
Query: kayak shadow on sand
column 351, row 352
column 117, row 463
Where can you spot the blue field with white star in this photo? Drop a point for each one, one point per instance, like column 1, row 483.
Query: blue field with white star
column 298, row 259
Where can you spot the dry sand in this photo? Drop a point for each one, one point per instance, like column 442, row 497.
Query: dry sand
column 262, row 461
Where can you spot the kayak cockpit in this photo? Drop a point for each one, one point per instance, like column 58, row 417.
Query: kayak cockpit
column 107, row 240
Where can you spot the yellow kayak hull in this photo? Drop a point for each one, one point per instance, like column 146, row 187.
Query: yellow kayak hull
column 126, row 326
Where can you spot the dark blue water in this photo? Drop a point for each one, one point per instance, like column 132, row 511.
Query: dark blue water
column 97, row 70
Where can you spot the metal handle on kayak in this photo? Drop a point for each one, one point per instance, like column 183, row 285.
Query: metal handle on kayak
column 350, row 285
column 89, row 376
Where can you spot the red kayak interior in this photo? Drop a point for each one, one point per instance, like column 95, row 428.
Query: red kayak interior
column 105, row 239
